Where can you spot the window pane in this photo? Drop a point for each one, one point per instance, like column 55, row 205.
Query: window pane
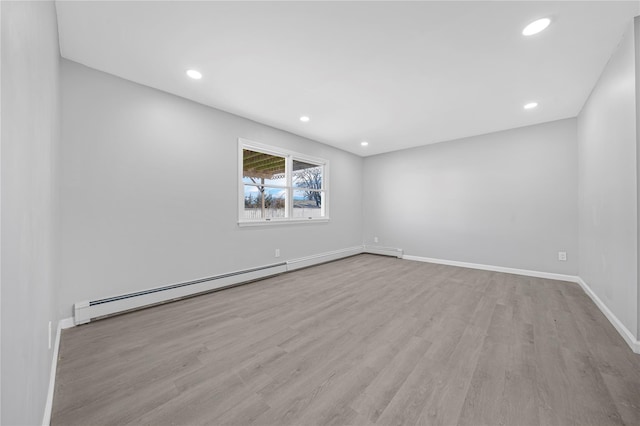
column 261, row 168
column 307, row 203
column 278, row 181
column 263, row 202
column 306, row 175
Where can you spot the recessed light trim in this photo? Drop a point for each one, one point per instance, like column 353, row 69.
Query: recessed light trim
column 530, row 105
column 305, row 119
column 536, row 26
column 194, row 74
column 364, row 143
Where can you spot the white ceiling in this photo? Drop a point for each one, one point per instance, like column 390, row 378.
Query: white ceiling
column 397, row 74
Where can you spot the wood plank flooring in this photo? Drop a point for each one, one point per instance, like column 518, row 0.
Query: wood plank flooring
column 367, row 340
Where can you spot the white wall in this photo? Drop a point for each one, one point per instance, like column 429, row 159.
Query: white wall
column 608, row 186
column 30, row 137
column 149, row 191
column 637, row 44
column 505, row 199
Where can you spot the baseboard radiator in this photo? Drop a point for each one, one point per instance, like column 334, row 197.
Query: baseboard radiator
column 304, row 262
column 384, row 251
column 85, row 311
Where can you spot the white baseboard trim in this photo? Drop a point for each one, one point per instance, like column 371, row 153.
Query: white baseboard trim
column 628, row 337
column 62, row 324
column 66, row 323
column 385, row 251
column 516, row 271
column 304, row 262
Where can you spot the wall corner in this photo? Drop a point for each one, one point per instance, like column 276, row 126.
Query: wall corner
column 636, row 40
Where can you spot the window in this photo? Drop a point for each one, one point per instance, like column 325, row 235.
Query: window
column 279, row 186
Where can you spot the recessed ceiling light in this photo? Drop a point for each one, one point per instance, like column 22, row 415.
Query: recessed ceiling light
column 530, row 105
column 364, row 143
column 536, row 26
column 194, row 74
column 304, row 119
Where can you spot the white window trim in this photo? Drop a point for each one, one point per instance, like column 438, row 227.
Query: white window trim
column 289, row 157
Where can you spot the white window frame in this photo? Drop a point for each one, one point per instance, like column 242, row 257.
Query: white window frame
column 289, row 156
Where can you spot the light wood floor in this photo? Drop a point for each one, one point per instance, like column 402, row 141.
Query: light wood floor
column 365, row 340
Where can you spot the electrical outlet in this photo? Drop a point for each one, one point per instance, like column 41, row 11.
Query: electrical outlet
column 562, row 256
column 49, row 334
column 375, row 239
column 277, row 252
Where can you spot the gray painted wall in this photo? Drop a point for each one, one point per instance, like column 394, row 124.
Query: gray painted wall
column 608, row 186
column 505, row 199
column 637, row 52
column 149, row 191
column 30, row 137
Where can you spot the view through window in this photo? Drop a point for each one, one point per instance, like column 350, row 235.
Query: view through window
column 278, row 185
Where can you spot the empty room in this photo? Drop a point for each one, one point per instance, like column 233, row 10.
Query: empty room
column 320, row 213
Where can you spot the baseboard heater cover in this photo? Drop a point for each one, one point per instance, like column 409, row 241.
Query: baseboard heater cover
column 86, row 310
column 385, row 251
column 304, row 262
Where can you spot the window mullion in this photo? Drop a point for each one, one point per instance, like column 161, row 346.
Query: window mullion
column 289, row 183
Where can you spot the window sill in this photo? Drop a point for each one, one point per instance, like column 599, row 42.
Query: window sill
column 243, row 223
